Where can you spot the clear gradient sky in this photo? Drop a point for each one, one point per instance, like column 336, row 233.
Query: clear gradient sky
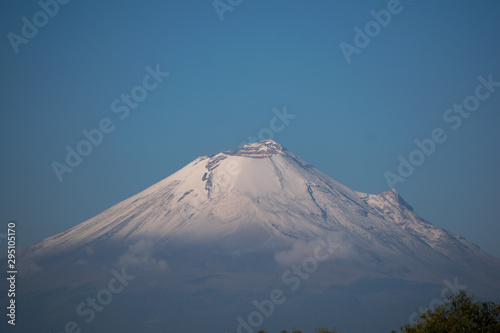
column 352, row 120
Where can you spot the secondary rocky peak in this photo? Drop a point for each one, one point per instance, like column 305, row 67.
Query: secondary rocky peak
column 260, row 149
column 393, row 196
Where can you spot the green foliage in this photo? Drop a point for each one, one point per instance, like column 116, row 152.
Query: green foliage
column 459, row 315
column 324, row 330
column 318, row 330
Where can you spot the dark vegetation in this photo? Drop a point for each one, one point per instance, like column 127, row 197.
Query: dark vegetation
column 459, row 314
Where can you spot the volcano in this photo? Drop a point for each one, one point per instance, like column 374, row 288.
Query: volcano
column 249, row 238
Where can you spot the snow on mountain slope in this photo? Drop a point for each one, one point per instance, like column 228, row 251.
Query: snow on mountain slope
column 261, row 195
column 225, row 230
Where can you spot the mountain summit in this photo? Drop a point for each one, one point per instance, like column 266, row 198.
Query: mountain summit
column 263, row 194
column 230, row 223
column 264, row 148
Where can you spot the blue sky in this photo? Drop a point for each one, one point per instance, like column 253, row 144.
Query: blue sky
column 352, row 120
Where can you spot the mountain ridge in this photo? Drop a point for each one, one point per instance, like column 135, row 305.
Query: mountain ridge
column 220, row 233
column 265, row 189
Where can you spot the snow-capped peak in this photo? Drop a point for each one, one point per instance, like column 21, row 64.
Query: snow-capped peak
column 233, row 221
column 263, row 194
column 259, row 149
